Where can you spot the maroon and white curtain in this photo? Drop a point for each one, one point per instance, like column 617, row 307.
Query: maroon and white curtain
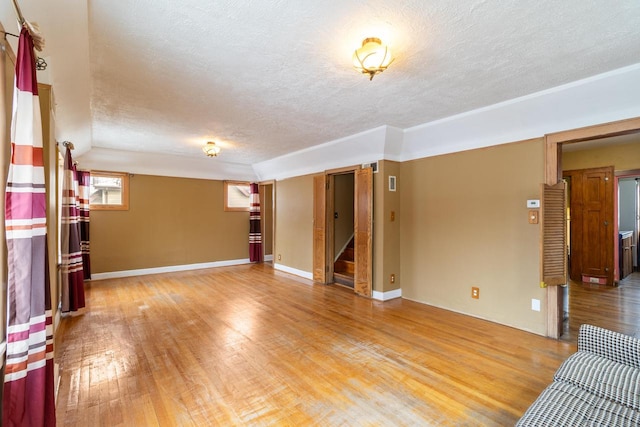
column 28, row 394
column 84, row 178
column 255, row 235
column 72, row 275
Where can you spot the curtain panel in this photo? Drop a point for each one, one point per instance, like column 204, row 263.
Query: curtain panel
column 255, row 234
column 28, row 392
column 72, row 275
column 84, row 189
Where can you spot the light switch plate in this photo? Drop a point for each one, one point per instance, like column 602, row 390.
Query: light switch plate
column 535, row 304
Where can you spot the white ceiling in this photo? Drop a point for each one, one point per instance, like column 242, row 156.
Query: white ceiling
column 267, row 78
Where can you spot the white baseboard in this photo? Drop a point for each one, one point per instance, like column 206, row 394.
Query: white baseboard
column 301, row 273
column 385, row 296
column 268, row 257
column 169, row 269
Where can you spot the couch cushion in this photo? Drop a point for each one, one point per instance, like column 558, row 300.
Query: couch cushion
column 560, row 404
column 564, row 404
column 609, row 413
column 612, row 345
column 603, row 377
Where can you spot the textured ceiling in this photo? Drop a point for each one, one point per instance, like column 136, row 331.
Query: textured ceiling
column 268, row 78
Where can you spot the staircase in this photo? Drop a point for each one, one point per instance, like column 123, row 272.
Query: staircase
column 344, row 266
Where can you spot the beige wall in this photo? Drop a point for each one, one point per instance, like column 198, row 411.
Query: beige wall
column 266, row 205
column 343, row 205
column 50, row 155
column 464, row 223
column 170, row 221
column 6, row 73
column 621, row 157
column 294, row 223
column 386, row 233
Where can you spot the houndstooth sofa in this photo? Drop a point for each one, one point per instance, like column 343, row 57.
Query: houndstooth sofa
column 599, row 385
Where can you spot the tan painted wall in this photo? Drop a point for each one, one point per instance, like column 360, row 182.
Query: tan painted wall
column 464, row 223
column 622, row 157
column 386, row 233
column 6, row 100
column 294, row 223
column 50, row 154
column 170, row 221
column 267, row 207
column 343, row 199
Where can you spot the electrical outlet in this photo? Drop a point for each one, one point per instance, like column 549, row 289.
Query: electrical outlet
column 475, row 292
column 279, row 257
column 393, row 278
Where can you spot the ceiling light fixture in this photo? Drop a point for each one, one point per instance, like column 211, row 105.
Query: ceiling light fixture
column 211, row 149
column 372, row 58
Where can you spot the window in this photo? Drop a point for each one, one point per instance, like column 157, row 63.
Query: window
column 237, row 196
column 109, row 191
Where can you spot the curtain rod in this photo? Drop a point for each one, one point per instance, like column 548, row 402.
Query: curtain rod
column 18, row 12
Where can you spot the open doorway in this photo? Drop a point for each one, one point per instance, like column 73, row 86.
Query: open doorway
column 614, row 147
column 343, row 252
column 628, row 222
column 267, row 219
column 325, row 247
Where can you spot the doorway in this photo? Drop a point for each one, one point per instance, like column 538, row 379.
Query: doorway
column 554, row 145
column 628, row 222
column 267, row 219
column 325, row 243
column 343, row 253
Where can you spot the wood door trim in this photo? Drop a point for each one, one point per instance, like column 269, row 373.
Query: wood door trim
column 319, row 228
column 620, row 127
column 553, row 171
column 340, row 171
column 627, row 173
column 261, row 186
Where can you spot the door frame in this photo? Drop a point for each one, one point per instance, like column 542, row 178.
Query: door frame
column 323, row 262
column 261, row 186
column 633, row 173
column 553, row 173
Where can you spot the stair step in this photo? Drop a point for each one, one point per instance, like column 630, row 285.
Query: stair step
column 343, row 279
column 348, row 254
column 344, row 266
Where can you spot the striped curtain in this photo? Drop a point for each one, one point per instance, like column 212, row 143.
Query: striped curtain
column 72, row 289
column 84, row 178
column 28, row 393
column 255, row 235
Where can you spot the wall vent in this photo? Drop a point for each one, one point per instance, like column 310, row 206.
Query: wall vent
column 372, row 165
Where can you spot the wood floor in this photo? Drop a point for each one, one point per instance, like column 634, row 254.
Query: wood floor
column 616, row 308
column 248, row 345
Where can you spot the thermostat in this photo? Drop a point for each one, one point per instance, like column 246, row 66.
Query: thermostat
column 533, row 204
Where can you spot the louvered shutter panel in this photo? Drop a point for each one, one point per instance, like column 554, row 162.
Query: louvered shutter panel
column 554, row 234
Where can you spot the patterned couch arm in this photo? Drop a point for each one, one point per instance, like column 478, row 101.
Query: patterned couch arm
column 611, row 345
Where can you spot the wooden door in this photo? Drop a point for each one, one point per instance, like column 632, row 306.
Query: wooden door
column 597, row 219
column 592, row 239
column 319, row 228
column 363, row 230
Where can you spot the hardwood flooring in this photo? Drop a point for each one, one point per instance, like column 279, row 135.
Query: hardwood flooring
column 612, row 307
column 248, row 345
